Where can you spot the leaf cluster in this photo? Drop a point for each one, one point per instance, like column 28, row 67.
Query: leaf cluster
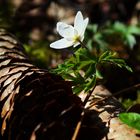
column 82, row 68
column 112, row 34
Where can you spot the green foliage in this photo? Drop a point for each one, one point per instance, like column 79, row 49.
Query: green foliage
column 82, row 68
column 112, row 34
column 125, row 32
column 109, row 56
column 95, row 37
column 131, row 119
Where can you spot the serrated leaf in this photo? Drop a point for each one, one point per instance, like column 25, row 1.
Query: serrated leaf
column 131, row 119
column 121, row 63
column 107, row 55
column 111, row 57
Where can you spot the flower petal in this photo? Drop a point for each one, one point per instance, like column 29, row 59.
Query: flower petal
column 75, row 45
column 65, row 30
column 78, row 22
column 84, row 26
column 61, row 44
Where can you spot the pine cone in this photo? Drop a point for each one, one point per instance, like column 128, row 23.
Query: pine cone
column 34, row 104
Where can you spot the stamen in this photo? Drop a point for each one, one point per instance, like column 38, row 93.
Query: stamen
column 76, row 38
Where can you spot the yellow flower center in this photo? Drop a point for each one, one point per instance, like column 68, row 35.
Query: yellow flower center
column 76, row 38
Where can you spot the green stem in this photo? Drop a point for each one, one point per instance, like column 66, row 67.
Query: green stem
column 82, row 44
column 88, row 96
column 91, row 91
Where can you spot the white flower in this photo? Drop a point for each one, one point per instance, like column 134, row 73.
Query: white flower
column 72, row 35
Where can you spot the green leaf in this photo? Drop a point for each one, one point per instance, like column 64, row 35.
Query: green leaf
column 98, row 74
column 90, row 70
column 78, row 75
column 134, row 30
column 90, row 84
column 128, row 68
column 92, row 27
column 131, row 119
column 78, row 89
column 103, row 56
column 83, row 64
column 106, row 56
column 110, row 57
column 64, row 68
column 119, row 27
column 90, row 44
column 78, row 78
column 68, row 76
column 131, row 41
